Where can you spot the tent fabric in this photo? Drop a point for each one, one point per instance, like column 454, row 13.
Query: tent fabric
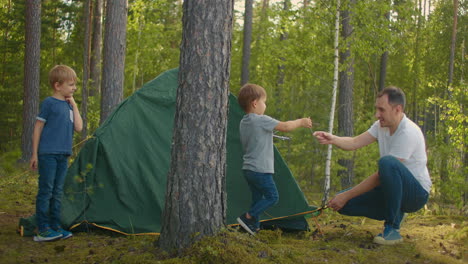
column 118, row 179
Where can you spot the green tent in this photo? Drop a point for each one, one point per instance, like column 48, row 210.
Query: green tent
column 118, row 179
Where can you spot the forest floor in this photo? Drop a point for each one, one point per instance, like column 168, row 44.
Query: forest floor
column 428, row 238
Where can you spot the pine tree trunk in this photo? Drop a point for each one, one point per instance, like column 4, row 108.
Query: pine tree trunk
column 196, row 192
column 86, row 55
column 245, row 75
column 32, row 59
column 114, row 56
column 345, row 99
column 95, row 63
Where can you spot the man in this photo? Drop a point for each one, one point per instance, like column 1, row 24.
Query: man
column 402, row 183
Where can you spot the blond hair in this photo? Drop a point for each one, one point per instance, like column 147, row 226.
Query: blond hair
column 60, row 74
column 249, row 93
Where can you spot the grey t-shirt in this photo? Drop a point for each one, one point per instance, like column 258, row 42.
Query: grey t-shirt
column 256, row 135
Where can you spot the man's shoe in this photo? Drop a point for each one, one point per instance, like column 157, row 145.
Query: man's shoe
column 47, row 235
column 247, row 224
column 390, row 236
column 65, row 234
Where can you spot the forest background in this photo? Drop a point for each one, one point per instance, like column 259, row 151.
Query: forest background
column 406, row 43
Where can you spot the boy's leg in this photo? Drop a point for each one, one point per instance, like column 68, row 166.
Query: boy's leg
column 47, row 170
column 56, row 199
column 264, row 183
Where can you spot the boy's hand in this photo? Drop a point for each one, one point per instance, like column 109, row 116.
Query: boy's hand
column 323, row 137
column 306, row 122
column 70, row 100
column 33, row 162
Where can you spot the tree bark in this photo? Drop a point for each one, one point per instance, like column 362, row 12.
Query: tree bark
column 245, row 75
column 196, row 192
column 86, row 55
column 32, row 59
column 95, row 63
column 345, row 98
column 114, row 56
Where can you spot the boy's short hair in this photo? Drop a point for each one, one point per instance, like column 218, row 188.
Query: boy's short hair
column 60, row 74
column 249, row 93
column 395, row 96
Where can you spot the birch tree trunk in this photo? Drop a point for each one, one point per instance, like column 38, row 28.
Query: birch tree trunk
column 333, row 103
column 32, row 59
column 196, row 184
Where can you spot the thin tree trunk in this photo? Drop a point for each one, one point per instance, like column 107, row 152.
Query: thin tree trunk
column 114, row 56
column 196, row 190
column 95, row 63
column 345, row 99
column 245, row 75
column 137, row 54
column 333, row 103
column 281, row 67
column 32, row 59
column 383, row 61
column 453, row 43
column 86, row 55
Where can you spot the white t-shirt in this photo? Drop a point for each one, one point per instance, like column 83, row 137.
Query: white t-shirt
column 407, row 143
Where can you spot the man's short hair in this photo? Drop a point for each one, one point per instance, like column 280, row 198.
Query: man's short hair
column 249, row 93
column 60, row 74
column 395, row 96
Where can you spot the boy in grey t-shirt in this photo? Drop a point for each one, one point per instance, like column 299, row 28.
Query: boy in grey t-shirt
column 256, row 134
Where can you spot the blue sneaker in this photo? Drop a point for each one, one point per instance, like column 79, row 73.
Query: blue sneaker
column 248, row 224
column 47, row 235
column 390, row 236
column 65, row 234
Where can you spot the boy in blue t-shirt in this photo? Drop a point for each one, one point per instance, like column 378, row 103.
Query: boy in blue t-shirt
column 256, row 135
column 52, row 145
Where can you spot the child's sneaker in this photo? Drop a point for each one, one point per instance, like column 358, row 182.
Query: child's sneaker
column 48, row 235
column 248, row 224
column 65, row 234
column 390, row 236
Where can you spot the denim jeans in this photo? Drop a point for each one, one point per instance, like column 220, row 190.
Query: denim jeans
column 399, row 192
column 264, row 192
column 52, row 172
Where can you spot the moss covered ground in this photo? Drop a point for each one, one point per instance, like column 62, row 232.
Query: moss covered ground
column 428, row 238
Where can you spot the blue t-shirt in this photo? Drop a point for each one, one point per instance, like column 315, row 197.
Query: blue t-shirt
column 256, row 134
column 57, row 134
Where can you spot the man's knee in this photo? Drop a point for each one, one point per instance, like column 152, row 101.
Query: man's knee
column 387, row 164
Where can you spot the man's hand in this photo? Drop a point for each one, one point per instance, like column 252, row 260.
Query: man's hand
column 323, row 137
column 338, row 202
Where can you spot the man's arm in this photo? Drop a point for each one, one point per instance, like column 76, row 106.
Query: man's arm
column 346, row 143
column 366, row 185
column 38, row 126
column 293, row 124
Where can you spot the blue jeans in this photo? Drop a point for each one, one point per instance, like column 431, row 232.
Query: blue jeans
column 264, row 192
column 52, row 172
column 399, row 192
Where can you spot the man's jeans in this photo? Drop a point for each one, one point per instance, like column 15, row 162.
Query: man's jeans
column 264, row 192
column 399, row 192
column 52, row 172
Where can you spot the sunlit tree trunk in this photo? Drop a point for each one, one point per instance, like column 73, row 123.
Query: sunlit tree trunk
column 114, row 56
column 32, row 59
column 196, row 193
column 333, row 103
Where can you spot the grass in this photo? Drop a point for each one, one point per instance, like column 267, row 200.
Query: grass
column 428, row 239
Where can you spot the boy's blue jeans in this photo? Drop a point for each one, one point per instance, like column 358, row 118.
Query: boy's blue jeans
column 264, row 192
column 52, row 172
column 399, row 192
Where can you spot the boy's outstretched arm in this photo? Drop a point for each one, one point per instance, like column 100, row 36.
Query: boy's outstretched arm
column 293, row 124
column 35, row 143
column 77, row 120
